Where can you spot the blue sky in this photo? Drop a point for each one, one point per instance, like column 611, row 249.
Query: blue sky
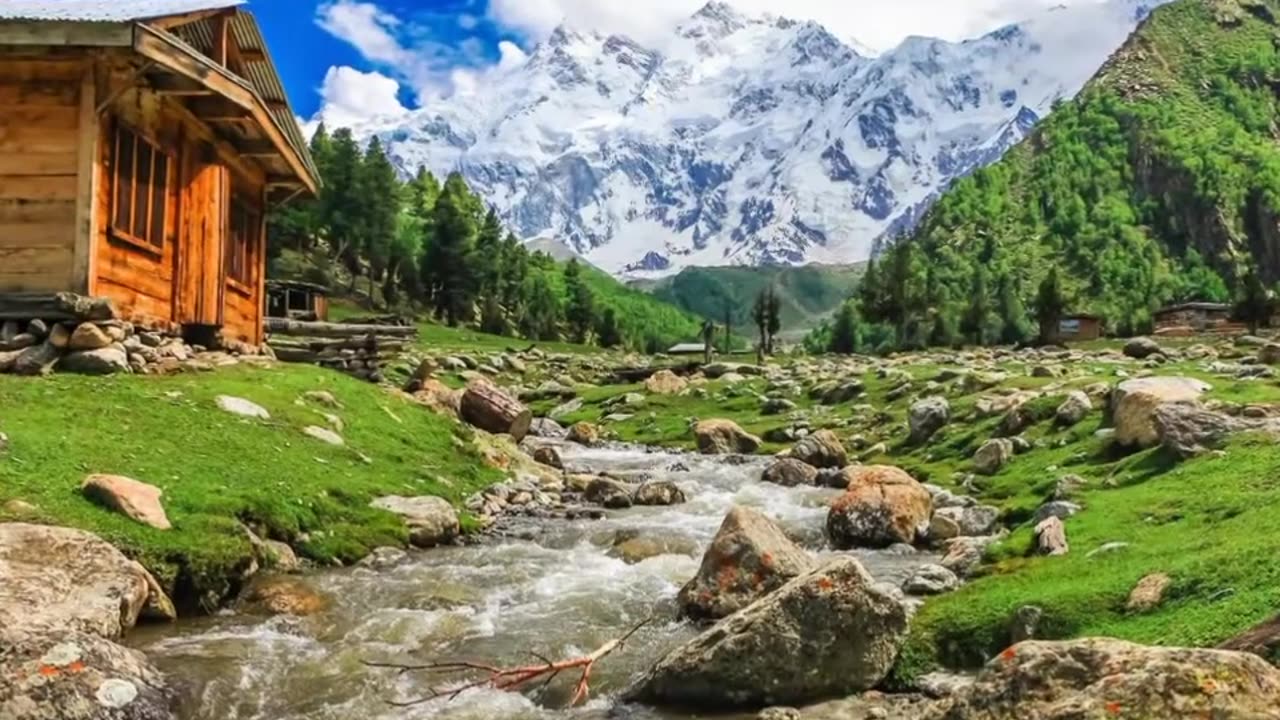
column 360, row 58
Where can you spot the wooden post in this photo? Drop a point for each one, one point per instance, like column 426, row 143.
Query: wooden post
column 82, row 269
column 221, row 30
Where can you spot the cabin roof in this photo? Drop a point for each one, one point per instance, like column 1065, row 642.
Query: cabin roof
column 687, row 348
column 106, row 10
column 297, row 285
column 1206, row 306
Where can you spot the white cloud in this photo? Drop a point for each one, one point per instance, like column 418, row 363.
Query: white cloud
column 367, row 28
column 349, row 96
column 880, row 24
column 511, row 55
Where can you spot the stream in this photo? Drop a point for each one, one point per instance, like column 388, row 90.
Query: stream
column 560, row 590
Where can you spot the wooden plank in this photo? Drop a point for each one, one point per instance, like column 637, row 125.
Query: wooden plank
column 46, row 118
column 221, row 39
column 36, row 235
column 42, row 71
column 22, row 163
column 37, row 94
column 54, row 261
column 173, row 21
column 86, row 184
column 62, row 32
column 20, row 211
column 37, row 140
column 38, row 187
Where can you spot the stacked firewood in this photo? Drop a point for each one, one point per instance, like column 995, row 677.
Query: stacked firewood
column 361, row 350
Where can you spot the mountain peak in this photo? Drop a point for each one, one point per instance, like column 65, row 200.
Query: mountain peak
column 715, row 18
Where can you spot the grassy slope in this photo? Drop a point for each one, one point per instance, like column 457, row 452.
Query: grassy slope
column 808, row 293
column 216, row 468
column 640, row 315
column 1209, row 523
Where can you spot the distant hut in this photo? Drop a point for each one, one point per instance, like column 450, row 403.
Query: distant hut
column 688, row 349
column 1194, row 318
column 1079, row 327
column 297, row 300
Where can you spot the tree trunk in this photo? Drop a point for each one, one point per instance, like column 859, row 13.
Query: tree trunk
column 299, row 328
column 487, row 407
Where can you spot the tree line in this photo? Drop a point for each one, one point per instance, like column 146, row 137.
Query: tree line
column 423, row 245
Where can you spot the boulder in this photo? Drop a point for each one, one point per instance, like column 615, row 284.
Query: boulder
column 431, row 520
column 1148, row 593
column 103, row 361
column 282, row 595
column 549, row 456
column 242, row 407
column 971, row 520
column 63, row 579
column 608, row 492
column 547, row 428
column 665, row 382
column 724, row 437
column 930, row 580
column 827, row 633
column 1134, row 404
column 821, row 450
column 324, row 435
column 993, row 456
column 926, row 417
column 882, row 506
column 584, row 433
column 1269, row 354
column 633, row 547
column 1051, row 537
column 658, row 493
column 749, row 557
column 1141, row 348
column 88, row 336
column 777, row 406
column 69, row 674
column 1105, row 678
column 136, row 500
column 790, row 472
column 35, row 360
column 1189, row 430
column 1073, row 409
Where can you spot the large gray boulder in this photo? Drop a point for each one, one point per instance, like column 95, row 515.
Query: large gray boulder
column 821, row 450
column 1188, row 430
column 926, row 417
column 724, row 437
column 54, row 578
column 68, row 674
column 431, row 520
column 103, row 361
column 1105, row 678
column 1141, row 348
column 992, row 456
column 790, row 472
column 749, row 557
column 828, row 633
column 1134, row 404
column 882, row 506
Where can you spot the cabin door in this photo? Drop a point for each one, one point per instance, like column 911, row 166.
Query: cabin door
column 205, row 197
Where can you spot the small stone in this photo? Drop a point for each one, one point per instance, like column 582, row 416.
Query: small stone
column 431, row 520
column 549, row 456
column 992, row 456
column 103, row 361
column 1149, row 592
column 931, row 580
column 324, row 435
column 132, row 498
column 115, row 693
column 88, row 336
column 1107, row 549
column 658, row 493
column 1025, row 624
column 284, row 596
column 1051, row 537
column 60, row 336
column 38, row 328
column 1060, row 509
column 282, row 556
column 242, row 407
column 584, row 433
column 790, row 472
column 322, row 397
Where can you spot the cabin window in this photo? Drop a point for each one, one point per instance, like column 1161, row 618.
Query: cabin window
column 241, row 240
column 140, row 183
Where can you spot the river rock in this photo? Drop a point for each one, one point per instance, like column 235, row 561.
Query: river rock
column 136, row 500
column 930, row 580
column 431, row 520
column 749, row 557
column 584, row 433
column 993, row 456
column 927, row 417
column 634, row 547
column 971, row 520
column 1134, row 404
column 608, row 492
column 549, row 456
column 882, row 506
column 964, row 554
column 790, row 472
column 547, row 428
column 1141, row 348
column 1105, row 678
column 821, row 450
column 827, row 633
column 63, row 579
column 103, row 361
column 665, row 382
column 724, row 437
column 282, row 595
column 658, row 493
column 281, row 556
column 1073, row 409
column 68, row 674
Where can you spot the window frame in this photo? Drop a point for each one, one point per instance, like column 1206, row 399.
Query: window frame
column 244, row 226
column 148, row 242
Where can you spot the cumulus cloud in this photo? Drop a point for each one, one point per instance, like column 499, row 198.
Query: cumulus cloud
column 879, row 24
column 367, row 28
column 350, row 96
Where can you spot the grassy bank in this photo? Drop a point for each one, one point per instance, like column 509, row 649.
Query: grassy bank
column 219, row 470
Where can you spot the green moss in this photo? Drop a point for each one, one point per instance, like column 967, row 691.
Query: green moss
column 218, row 470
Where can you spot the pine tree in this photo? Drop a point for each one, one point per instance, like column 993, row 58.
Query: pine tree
column 340, row 202
column 870, row 293
column 760, row 316
column 977, row 316
column 773, row 324
column 1013, row 314
column 379, row 193
column 608, row 333
column 448, row 262
column 1254, row 304
column 580, row 311
column 489, row 255
column 1050, row 305
column 542, row 313
column 844, row 333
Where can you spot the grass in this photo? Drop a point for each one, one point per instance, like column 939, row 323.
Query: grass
column 218, row 470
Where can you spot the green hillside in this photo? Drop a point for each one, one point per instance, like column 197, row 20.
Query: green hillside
column 1160, row 182
column 807, row 293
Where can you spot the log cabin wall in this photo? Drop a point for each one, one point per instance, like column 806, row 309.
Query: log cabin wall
column 39, row 121
column 205, row 267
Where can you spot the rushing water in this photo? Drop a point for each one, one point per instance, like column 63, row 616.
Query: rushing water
column 562, row 592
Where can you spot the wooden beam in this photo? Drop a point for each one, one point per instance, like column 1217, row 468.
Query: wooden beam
column 51, row 32
column 172, row 21
column 252, row 55
column 177, row 85
column 256, row 148
column 82, row 269
column 221, row 33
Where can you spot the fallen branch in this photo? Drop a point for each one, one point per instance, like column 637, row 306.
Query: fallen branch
column 510, row 678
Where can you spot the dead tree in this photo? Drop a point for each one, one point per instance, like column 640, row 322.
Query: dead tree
column 509, row 678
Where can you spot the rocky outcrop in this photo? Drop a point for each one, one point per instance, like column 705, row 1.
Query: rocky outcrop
column 827, row 633
column 1134, row 404
column 749, row 557
column 1104, row 678
column 881, row 507
column 821, row 450
column 1188, row 430
column 724, row 437
column 68, row 674
column 431, row 520
column 926, row 417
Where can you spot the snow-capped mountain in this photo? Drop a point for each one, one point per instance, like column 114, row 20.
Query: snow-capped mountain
column 747, row 140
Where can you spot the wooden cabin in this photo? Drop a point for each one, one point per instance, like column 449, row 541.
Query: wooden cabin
column 1079, row 327
column 142, row 144
column 297, row 300
column 1194, row 318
